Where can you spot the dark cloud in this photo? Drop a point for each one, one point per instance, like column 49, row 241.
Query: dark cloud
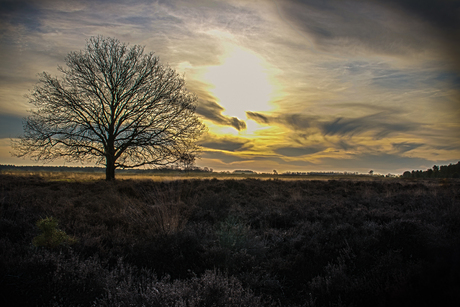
column 352, row 24
column 10, row 126
column 297, row 151
column 449, row 77
column 227, row 145
column 379, row 125
column 446, row 147
column 444, row 18
column 213, row 111
column 235, row 122
column 293, row 121
column 257, row 117
column 344, row 145
column 355, row 25
column 297, row 121
column 25, row 13
column 405, row 146
column 443, row 14
column 224, row 157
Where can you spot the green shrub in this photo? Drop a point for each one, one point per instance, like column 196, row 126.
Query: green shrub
column 233, row 234
column 51, row 236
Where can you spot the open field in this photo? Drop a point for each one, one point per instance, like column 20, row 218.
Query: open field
column 227, row 242
column 169, row 176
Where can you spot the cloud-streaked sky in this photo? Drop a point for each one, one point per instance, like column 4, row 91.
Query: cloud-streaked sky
column 291, row 85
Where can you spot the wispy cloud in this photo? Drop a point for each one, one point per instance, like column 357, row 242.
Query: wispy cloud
column 212, row 111
column 354, row 27
column 297, row 151
column 380, row 125
column 293, row 121
column 406, row 146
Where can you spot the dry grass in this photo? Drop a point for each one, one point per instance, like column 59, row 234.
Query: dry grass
column 91, row 176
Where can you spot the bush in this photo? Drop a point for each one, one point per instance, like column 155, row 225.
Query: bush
column 51, row 237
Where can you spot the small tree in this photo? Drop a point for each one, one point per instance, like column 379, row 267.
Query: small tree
column 115, row 106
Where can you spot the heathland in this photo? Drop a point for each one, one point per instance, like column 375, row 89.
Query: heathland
column 227, row 242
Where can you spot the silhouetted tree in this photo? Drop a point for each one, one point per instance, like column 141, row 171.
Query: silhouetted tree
column 435, row 171
column 114, row 105
column 443, row 171
column 429, row 173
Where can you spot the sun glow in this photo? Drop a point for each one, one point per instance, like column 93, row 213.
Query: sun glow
column 241, row 83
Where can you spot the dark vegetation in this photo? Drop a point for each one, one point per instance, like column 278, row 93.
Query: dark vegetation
column 229, row 243
column 443, row 171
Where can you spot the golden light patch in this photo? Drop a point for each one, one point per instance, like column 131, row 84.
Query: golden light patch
column 241, row 83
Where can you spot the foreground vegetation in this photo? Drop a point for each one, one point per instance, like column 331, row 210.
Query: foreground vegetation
column 216, row 242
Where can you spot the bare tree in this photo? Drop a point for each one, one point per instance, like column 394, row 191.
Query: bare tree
column 114, row 105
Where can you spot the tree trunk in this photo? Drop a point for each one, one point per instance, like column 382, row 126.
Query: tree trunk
column 110, row 167
column 110, row 156
column 110, row 171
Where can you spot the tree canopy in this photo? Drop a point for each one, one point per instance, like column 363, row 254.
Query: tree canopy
column 443, row 171
column 114, row 105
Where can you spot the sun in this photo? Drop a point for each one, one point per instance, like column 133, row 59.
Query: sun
column 241, row 83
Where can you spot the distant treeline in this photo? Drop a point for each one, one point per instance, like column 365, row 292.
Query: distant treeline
column 443, row 171
column 94, row 169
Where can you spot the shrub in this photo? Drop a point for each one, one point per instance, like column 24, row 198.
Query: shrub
column 51, row 236
column 232, row 233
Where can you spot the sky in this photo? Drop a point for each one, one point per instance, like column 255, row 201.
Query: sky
column 286, row 85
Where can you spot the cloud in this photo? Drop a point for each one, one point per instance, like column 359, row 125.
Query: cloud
column 212, row 111
column 353, row 26
column 222, row 156
column 390, row 27
column 380, row 125
column 405, row 146
column 443, row 16
column 447, row 147
column 344, row 145
column 224, row 144
column 257, row 117
column 393, row 79
column 294, row 121
column 349, row 76
column 26, row 13
column 297, row 151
